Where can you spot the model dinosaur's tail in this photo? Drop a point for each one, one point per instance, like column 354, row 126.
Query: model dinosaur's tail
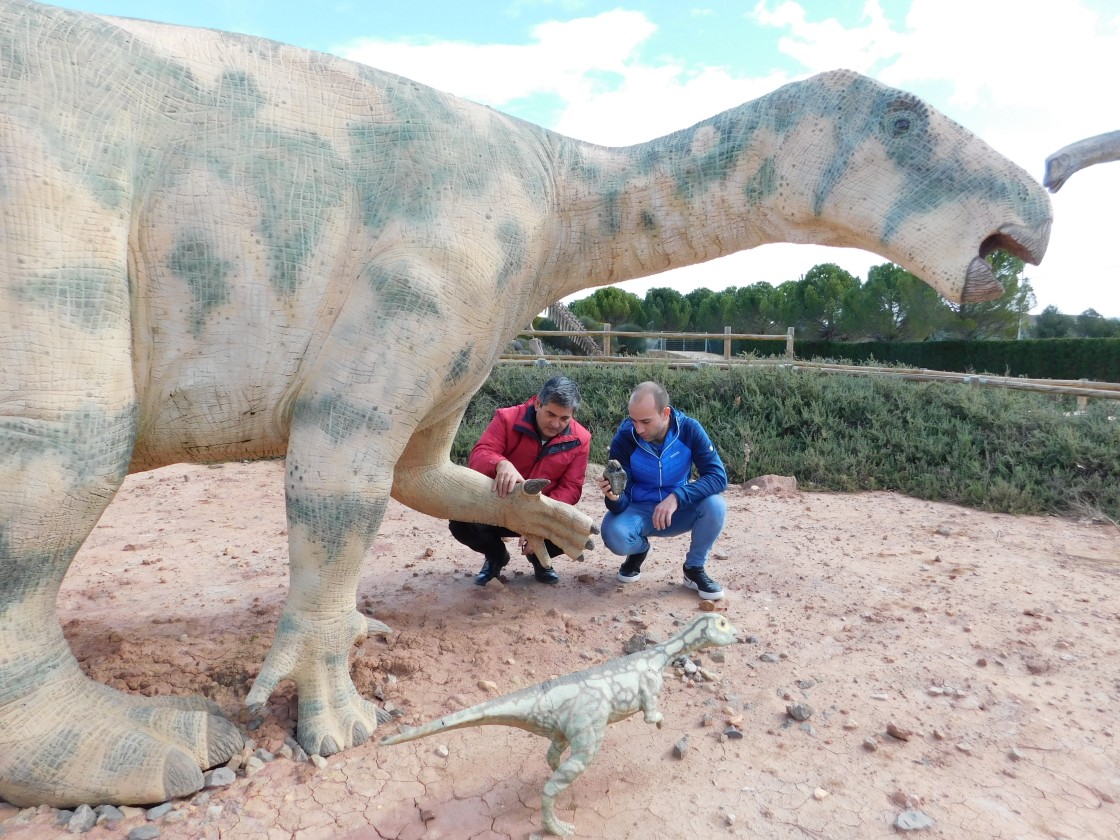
column 515, row 709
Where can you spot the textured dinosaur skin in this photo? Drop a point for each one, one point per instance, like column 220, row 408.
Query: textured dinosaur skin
column 1103, row 148
column 218, row 247
column 575, row 709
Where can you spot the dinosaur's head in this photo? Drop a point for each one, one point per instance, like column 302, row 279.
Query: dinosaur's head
column 877, row 168
column 709, row 630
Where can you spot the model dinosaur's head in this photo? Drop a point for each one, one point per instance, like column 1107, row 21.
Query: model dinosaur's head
column 890, row 174
column 709, row 630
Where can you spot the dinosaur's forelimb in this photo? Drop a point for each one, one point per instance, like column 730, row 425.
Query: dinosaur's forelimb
column 426, row 481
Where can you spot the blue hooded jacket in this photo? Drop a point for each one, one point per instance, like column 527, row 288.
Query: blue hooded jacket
column 650, row 476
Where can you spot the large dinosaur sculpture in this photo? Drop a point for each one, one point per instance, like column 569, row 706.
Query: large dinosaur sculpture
column 1076, row 156
column 573, row 711
column 215, row 246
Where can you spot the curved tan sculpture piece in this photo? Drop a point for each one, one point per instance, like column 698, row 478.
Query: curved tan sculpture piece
column 218, row 247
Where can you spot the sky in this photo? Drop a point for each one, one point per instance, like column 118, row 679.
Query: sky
column 1026, row 77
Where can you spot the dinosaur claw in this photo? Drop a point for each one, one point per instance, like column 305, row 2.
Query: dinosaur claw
column 535, row 485
column 594, row 529
column 590, row 544
column 377, row 628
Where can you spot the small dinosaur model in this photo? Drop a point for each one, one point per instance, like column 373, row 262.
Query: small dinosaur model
column 574, row 710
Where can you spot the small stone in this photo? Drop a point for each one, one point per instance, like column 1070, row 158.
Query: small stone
column 935, row 691
column 729, row 816
column 851, row 725
column 144, row 832
column 706, row 606
column 427, row 814
column 442, row 751
column 799, row 711
column 108, row 814
column 318, row 761
column 285, row 751
column 732, row 732
column 253, row 765
column 159, row 810
column 489, row 686
column 213, row 812
column 880, row 696
column 965, row 747
column 82, row 820
column 896, row 731
column 299, row 754
column 912, row 820
column 820, row 793
column 176, row 816
column 717, row 656
column 770, row 657
column 870, row 744
column 264, row 755
column 234, row 764
column 681, row 747
column 1015, row 754
column 219, row 777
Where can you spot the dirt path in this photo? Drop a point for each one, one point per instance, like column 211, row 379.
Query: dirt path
column 993, row 640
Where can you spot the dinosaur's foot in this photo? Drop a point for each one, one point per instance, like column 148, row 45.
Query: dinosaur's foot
column 551, row 823
column 69, row 740
column 315, row 652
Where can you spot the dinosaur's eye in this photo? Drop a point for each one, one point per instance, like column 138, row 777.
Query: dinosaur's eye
column 901, row 126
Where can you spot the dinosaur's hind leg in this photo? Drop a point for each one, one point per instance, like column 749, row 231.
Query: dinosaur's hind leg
column 68, row 419
column 585, row 746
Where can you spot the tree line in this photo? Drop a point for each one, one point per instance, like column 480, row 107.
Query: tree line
column 830, row 304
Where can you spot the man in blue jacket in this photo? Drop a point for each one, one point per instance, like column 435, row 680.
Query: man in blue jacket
column 658, row 446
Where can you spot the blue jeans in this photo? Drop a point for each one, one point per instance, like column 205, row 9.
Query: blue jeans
column 627, row 532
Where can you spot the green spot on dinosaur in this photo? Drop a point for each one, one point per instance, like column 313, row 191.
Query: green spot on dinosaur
column 397, row 294
column 238, row 94
column 196, row 263
column 78, row 296
column 335, row 521
column 339, row 418
column 763, row 184
column 460, row 366
column 513, row 241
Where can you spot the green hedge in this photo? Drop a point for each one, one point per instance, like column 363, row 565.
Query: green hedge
column 1039, row 358
column 989, row 448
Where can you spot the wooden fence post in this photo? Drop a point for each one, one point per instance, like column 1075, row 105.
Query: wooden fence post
column 727, row 344
column 606, row 339
column 789, row 342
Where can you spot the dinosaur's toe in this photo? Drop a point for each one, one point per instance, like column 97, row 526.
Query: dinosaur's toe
column 223, row 739
column 181, row 776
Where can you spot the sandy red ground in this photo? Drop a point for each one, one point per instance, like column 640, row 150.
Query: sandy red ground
column 992, row 639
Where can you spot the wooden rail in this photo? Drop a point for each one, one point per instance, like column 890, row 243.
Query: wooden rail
column 1080, row 388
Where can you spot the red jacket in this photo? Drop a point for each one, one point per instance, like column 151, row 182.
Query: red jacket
column 512, row 436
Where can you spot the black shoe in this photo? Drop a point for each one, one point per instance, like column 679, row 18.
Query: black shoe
column 631, row 568
column 705, row 587
column 490, row 570
column 542, row 574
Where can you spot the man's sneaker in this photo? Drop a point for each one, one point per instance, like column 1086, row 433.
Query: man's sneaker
column 705, row 587
column 631, row 568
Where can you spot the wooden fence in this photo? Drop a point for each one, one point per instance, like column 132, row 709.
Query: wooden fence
column 1080, row 388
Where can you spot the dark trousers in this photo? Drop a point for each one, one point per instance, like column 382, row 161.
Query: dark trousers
column 487, row 540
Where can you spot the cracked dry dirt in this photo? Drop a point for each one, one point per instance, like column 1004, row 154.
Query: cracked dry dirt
column 992, row 639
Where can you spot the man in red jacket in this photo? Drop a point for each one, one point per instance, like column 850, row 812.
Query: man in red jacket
column 538, row 439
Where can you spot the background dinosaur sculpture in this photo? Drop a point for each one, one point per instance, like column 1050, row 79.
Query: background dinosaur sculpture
column 575, row 709
column 1076, row 156
column 218, row 247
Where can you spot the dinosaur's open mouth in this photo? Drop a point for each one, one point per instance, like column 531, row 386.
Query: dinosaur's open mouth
column 1027, row 244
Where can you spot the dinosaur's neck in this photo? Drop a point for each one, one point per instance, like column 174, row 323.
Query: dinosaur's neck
column 681, row 199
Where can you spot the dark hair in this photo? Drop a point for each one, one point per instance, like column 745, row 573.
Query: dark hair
column 562, row 391
column 660, row 395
